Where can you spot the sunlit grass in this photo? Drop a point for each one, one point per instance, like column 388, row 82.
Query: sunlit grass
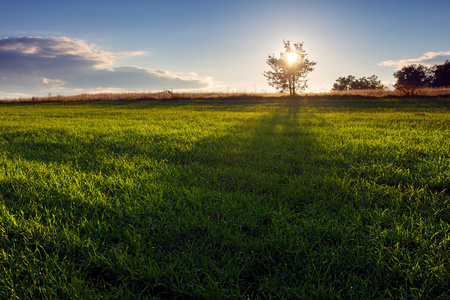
column 257, row 198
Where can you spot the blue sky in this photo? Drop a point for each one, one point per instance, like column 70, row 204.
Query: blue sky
column 72, row 47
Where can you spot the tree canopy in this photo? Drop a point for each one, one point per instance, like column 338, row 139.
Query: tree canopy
column 290, row 69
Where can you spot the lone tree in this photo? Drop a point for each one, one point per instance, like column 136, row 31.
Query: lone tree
column 290, row 70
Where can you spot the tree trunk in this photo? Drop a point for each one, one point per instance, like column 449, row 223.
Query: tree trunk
column 293, row 84
column 290, row 85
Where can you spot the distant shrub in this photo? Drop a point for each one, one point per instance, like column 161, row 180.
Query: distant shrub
column 351, row 83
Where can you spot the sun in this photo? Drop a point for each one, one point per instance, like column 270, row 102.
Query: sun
column 291, row 57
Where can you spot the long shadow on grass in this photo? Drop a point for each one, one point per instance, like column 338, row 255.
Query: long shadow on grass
column 261, row 156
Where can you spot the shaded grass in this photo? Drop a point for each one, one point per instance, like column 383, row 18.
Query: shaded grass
column 287, row 198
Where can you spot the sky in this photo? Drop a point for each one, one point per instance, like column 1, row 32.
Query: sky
column 74, row 47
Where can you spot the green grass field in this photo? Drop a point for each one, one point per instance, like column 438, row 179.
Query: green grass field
column 240, row 199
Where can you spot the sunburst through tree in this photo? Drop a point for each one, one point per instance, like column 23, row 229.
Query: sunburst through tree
column 290, row 69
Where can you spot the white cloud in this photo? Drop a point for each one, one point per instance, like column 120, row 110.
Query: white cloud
column 61, row 64
column 428, row 59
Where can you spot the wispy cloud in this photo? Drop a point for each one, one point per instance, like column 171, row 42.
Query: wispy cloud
column 428, row 59
column 62, row 64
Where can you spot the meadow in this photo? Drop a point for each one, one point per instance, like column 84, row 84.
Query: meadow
column 246, row 198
